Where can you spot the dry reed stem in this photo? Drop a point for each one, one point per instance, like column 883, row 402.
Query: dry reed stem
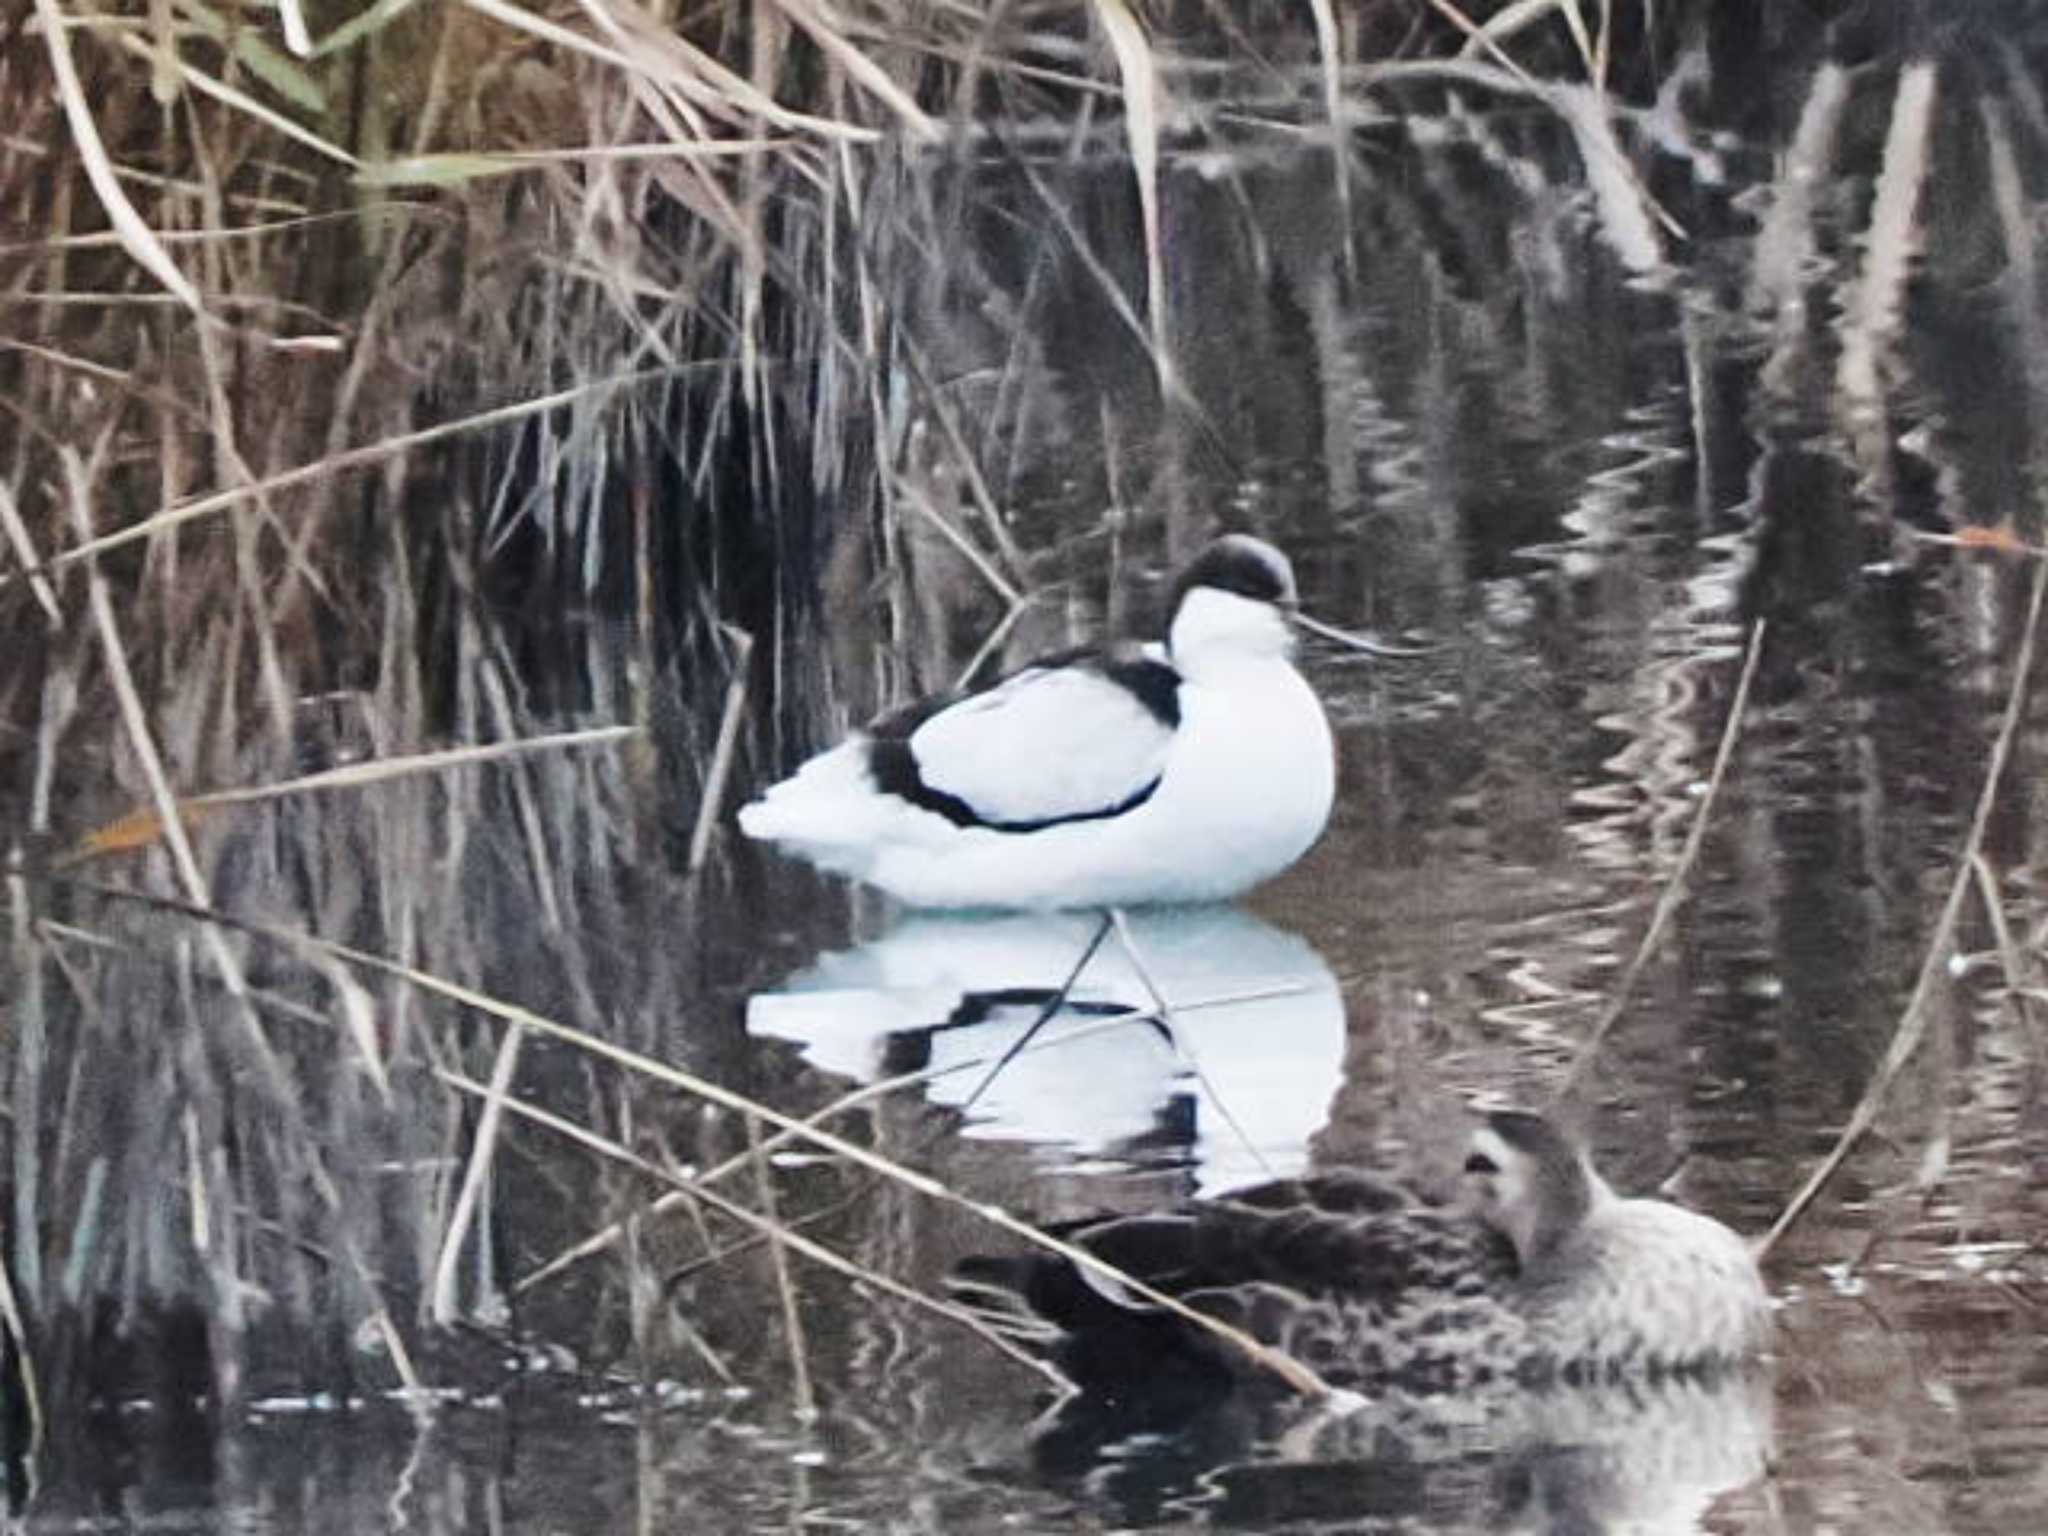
column 136, row 236
column 459, row 167
column 180, row 513
column 775, row 1230
column 442, row 1306
column 1674, row 888
column 359, row 1022
column 1292, row 1372
column 1505, row 23
column 912, row 492
column 608, row 1237
column 2009, row 957
column 668, row 62
column 1117, row 299
column 28, row 1028
column 694, row 1190
column 1329, row 48
column 723, row 752
column 394, row 207
column 171, row 184
column 993, row 642
column 375, row 19
column 142, row 827
column 142, row 740
column 17, row 1333
column 1582, row 39
column 240, row 101
column 965, row 460
column 1913, row 1020
column 870, row 75
column 1134, row 64
column 25, row 552
column 527, row 805
column 277, row 1082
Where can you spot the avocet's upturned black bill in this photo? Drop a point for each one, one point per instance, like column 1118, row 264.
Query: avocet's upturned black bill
column 1124, row 776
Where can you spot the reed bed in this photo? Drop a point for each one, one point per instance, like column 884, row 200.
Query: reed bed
column 442, row 444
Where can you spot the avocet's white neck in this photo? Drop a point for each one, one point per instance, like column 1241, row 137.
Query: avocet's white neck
column 1213, row 630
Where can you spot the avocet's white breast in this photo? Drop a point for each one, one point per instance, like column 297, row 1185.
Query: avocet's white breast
column 1231, row 605
column 1214, row 629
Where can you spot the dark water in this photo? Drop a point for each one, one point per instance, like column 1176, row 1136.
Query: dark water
column 1473, row 422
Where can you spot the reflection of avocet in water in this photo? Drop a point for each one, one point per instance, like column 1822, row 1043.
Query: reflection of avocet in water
column 1255, row 1008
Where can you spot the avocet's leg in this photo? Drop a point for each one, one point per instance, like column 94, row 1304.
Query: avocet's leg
column 1045, row 1014
column 1163, row 1012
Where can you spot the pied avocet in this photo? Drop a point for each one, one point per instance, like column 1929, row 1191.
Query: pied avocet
column 1124, row 776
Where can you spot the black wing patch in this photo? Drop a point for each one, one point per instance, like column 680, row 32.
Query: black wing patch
column 893, row 760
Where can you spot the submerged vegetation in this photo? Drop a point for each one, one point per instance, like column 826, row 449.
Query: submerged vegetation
column 444, row 447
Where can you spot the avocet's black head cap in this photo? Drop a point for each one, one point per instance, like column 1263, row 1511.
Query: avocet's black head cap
column 1240, row 564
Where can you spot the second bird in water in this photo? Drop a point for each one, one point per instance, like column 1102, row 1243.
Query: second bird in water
column 1541, row 1276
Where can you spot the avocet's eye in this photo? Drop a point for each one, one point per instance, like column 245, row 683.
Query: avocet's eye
column 1479, row 1162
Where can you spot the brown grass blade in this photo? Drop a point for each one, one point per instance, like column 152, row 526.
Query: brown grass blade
column 135, row 234
column 144, row 827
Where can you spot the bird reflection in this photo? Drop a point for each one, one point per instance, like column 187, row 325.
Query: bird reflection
column 1636, row 1458
column 1234, row 1090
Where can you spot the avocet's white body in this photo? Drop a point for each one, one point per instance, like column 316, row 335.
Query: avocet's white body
column 1185, row 773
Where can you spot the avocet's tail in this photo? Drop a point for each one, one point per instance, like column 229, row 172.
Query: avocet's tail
column 828, row 811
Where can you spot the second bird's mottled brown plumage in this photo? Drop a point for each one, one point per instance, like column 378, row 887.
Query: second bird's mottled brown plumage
column 1540, row 1274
